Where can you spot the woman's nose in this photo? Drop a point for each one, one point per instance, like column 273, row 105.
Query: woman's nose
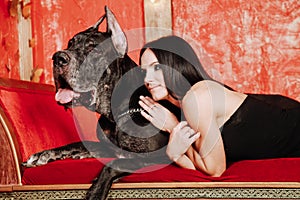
column 149, row 77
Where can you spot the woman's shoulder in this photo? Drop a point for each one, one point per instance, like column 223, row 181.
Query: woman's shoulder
column 205, row 86
column 203, row 91
column 211, row 94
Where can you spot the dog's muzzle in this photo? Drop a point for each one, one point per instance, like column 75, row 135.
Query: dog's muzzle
column 65, row 94
column 60, row 59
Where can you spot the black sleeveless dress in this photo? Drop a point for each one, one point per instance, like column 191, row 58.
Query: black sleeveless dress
column 264, row 126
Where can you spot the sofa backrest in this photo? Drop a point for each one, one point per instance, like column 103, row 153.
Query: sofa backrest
column 36, row 121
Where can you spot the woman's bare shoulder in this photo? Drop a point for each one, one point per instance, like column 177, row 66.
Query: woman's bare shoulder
column 206, row 84
column 199, row 98
column 198, row 105
column 207, row 95
column 205, row 89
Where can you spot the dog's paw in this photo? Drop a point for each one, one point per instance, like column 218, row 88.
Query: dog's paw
column 38, row 159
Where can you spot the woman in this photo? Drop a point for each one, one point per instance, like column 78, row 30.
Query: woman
column 219, row 124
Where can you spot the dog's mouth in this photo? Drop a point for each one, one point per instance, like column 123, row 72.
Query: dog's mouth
column 68, row 97
column 64, row 96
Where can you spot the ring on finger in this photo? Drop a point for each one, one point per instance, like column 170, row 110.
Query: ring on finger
column 153, row 106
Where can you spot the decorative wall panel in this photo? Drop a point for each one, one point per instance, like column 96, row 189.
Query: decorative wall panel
column 253, row 46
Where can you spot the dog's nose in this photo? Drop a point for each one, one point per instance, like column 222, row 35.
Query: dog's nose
column 60, row 59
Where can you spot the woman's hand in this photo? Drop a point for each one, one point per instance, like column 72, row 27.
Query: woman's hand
column 181, row 138
column 158, row 115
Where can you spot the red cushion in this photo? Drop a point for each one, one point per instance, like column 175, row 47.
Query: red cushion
column 38, row 121
column 67, row 171
column 272, row 170
column 167, row 173
column 84, row 171
column 86, row 121
column 71, row 171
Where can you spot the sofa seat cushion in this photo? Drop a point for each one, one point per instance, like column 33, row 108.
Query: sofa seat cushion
column 267, row 170
column 82, row 171
column 68, row 171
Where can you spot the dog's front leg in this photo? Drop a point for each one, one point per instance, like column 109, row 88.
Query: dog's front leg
column 77, row 150
column 101, row 186
column 117, row 169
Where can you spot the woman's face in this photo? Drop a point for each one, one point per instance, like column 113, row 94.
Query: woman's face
column 154, row 79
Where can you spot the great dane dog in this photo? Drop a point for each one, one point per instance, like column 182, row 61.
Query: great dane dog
column 96, row 72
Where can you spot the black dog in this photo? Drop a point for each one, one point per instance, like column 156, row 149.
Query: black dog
column 95, row 71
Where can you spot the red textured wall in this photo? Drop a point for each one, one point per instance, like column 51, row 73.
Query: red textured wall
column 253, row 46
column 9, row 43
column 55, row 22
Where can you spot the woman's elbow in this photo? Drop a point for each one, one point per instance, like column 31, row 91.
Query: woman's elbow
column 217, row 172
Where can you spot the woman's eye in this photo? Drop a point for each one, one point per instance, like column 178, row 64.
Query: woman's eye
column 141, row 70
column 157, row 67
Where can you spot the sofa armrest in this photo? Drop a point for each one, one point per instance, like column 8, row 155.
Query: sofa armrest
column 10, row 173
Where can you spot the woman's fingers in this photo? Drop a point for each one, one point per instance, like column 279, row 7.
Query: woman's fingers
column 147, row 99
column 147, row 116
column 182, row 137
column 185, row 131
column 180, row 125
column 192, row 134
column 144, row 106
column 147, row 104
column 158, row 115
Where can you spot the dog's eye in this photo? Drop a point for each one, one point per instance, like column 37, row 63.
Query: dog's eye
column 89, row 44
column 70, row 43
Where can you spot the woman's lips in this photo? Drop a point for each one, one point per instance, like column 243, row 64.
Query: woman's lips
column 153, row 88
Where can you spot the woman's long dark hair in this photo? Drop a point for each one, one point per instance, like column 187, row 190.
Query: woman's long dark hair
column 182, row 68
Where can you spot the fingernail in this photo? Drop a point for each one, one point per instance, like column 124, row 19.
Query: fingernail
column 141, row 97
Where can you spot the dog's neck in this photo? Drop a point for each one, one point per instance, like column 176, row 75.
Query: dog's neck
column 126, row 64
column 121, row 69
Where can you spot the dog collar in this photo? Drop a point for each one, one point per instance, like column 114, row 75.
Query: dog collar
column 130, row 111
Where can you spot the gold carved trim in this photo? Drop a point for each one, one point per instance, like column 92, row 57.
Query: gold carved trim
column 14, row 151
column 164, row 193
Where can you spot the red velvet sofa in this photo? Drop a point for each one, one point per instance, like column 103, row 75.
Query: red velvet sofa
column 31, row 121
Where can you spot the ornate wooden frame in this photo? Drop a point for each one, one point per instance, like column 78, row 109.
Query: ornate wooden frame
column 172, row 190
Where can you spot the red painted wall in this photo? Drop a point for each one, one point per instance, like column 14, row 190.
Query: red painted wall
column 253, row 46
column 55, row 22
column 9, row 49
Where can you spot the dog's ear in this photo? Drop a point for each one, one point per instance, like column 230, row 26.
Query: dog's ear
column 118, row 36
column 96, row 26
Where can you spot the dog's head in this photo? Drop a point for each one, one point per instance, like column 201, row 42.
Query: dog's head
column 85, row 72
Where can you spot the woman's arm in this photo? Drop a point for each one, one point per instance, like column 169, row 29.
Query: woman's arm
column 181, row 135
column 181, row 139
column 202, row 106
column 185, row 162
